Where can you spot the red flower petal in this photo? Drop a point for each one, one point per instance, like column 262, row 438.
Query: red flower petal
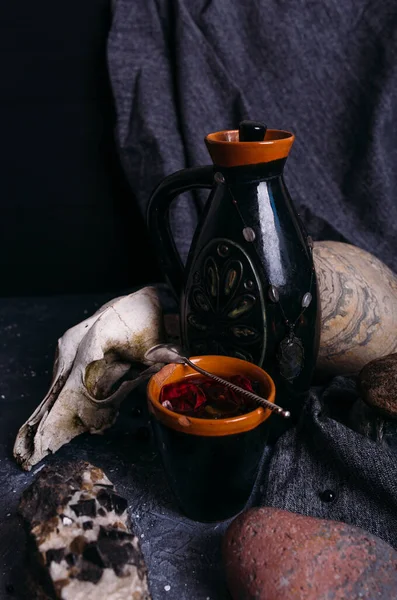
column 183, row 396
column 192, row 396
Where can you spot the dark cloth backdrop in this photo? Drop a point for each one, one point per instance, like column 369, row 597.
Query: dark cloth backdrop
column 325, row 70
column 68, row 220
column 328, row 72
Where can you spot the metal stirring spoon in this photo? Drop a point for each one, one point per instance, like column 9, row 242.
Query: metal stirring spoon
column 169, row 353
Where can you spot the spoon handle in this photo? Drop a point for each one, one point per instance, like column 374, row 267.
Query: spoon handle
column 265, row 403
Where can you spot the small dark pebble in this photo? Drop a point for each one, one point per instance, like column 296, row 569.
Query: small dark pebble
column 327, row 496
column 102, row 512
column 88, row 525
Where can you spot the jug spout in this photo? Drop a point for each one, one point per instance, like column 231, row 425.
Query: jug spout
column 251, row 144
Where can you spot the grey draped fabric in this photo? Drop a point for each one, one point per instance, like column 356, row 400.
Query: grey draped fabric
column 328, row 72
column 325, row 70
column 327, row 468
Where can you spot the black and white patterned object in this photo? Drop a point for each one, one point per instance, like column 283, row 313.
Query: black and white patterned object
column 80, row 537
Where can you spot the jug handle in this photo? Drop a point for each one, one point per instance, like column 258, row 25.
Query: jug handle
column 158, row 219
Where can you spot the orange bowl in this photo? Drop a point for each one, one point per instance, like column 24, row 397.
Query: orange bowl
column 223, row 366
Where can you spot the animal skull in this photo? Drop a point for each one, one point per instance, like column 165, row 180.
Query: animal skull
column 91, row 359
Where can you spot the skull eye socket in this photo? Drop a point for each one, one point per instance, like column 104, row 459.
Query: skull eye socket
column 103, row 377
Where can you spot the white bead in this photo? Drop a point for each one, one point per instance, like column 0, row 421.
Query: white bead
column 249, row 234
column 306, row 300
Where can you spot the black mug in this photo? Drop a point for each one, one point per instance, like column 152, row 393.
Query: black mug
column 211, row 464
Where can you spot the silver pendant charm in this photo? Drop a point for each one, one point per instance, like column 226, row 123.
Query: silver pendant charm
column 291, row 357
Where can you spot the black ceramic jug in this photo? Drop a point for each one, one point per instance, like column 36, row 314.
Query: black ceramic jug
column 249, row 287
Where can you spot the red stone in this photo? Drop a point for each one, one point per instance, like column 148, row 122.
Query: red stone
column 271, row 554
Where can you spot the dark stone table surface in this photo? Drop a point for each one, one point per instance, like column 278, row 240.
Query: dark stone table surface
column 183, row 556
